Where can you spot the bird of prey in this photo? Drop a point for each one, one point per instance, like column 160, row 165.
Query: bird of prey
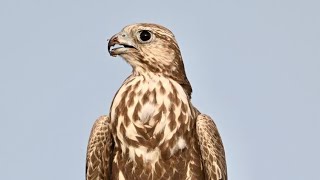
column 153, row 131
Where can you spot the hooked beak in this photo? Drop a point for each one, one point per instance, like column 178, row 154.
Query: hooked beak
column 120, row 43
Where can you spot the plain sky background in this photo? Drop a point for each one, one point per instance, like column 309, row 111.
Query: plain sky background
column 254, row 66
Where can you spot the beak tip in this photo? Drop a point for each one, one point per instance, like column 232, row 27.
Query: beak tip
column 112, row 41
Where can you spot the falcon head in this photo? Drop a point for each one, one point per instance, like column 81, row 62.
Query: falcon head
column 150, row 48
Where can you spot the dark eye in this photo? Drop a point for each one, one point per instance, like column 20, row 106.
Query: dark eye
column 145, row 35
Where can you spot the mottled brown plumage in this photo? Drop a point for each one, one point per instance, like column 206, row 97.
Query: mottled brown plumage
column 153, row 131
column 99, row 151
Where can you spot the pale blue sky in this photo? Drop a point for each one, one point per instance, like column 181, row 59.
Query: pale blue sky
column 254, row 66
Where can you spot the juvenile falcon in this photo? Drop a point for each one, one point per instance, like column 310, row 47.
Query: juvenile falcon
column 153, row 131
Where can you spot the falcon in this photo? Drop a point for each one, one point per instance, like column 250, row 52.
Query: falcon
column 153, row 131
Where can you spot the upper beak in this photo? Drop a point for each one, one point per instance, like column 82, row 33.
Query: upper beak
column 120, row 43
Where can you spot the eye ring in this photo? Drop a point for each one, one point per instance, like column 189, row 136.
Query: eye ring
column 145, row 36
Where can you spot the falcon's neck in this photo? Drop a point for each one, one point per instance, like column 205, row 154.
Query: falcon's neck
column 176, row 74
column 150, row 116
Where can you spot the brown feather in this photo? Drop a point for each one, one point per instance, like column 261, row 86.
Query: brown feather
column 99, row 151
column 212, row 151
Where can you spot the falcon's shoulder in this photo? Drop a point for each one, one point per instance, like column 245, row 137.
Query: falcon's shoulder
column 99, row 150
column 212, row 151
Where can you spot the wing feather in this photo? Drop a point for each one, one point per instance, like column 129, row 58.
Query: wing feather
column 212, row 151
column 99, row 151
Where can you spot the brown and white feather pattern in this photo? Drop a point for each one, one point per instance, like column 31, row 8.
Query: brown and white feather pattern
column 212, row 151
column 99, row 150
column 153, row 131
column 151, row 121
